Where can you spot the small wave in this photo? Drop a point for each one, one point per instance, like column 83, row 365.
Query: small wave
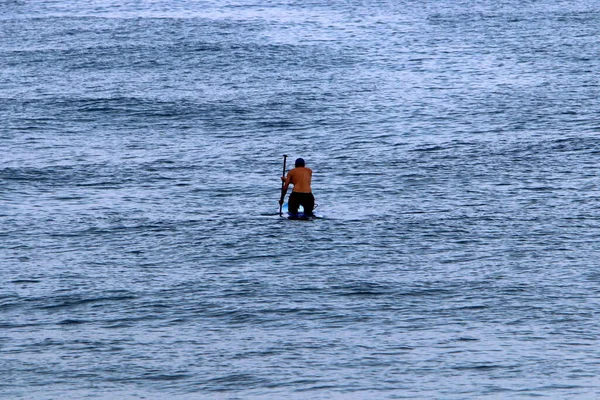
column 74, row 301
column 72, row 322
column 362, row 289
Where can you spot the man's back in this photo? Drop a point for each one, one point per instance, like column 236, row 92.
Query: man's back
column 300, row 177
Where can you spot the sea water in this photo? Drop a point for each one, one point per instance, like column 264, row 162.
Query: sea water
column 455, row 148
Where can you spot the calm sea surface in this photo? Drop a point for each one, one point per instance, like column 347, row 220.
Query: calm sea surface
column 456, row 154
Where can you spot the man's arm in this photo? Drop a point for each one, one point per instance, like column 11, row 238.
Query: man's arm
column 284, row 188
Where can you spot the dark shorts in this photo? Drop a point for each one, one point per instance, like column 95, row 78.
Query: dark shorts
column 305, row 200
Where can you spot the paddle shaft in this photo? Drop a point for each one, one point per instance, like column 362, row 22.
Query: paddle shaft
column 282, row 184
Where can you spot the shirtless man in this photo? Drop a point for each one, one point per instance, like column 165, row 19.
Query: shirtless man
column 301, row 195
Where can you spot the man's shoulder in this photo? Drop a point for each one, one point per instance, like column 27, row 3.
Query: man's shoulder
column 301, row 171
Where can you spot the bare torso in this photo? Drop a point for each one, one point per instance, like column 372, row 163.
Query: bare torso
column 300, row 177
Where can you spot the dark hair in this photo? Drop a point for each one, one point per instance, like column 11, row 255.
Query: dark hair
column 299, row 162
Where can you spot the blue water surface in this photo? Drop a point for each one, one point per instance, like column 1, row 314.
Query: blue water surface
column 455, row 148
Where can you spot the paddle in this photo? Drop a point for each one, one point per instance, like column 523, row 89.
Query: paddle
column 282, row 184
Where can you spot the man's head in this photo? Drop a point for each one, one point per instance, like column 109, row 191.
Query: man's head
column 299, row 162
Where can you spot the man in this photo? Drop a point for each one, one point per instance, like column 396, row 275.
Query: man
column 301, row 195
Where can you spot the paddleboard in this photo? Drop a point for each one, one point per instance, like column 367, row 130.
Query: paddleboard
column 300, row 215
